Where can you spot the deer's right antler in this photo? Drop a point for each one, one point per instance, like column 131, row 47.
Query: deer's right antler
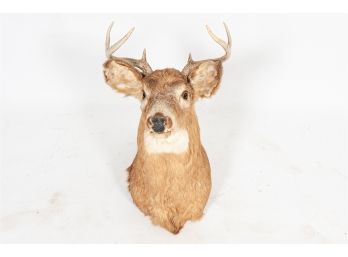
column 225, row 45
column 141, row 64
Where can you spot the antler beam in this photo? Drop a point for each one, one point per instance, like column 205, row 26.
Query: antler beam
column 141, row 64
column 223, row 44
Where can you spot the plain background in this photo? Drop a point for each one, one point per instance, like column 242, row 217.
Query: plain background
column 275, row 133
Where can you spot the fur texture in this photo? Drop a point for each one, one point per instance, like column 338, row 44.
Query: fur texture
column 169, row 179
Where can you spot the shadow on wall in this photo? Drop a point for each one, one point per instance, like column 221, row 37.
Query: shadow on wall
column 115, row 138
column 222, row 119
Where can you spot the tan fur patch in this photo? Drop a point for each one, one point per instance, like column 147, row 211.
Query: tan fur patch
column 205, row 78
column 123, row 78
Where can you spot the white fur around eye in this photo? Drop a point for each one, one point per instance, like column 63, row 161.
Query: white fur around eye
column 143, row 103
column 145, row 100
column 183, row 103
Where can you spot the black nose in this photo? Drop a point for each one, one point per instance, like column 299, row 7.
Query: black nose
column 158, row 123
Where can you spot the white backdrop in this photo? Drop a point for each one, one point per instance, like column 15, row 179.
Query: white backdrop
column 275, row 133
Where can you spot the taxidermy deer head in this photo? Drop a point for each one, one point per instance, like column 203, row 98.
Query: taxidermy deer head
column 169, row 179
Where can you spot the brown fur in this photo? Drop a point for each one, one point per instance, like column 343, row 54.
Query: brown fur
column 171, row 188
column 169, row 179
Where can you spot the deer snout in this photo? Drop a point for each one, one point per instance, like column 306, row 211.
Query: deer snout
column 159, row 123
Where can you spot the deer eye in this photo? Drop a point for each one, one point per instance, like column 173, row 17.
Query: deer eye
column 185, row 95
column 144, row 94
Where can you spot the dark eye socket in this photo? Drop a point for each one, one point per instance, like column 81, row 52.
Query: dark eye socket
column 144, row 94
column 185, row 95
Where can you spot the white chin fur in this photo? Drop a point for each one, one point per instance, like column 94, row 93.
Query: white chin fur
column 177, row 142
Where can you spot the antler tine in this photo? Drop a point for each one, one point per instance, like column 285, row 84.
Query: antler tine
column 110, row 50
column 107, row 40
column 223, row 44
column 141, row 63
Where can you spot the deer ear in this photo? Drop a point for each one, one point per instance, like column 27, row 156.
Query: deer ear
column 205, row 77
column 123, row 77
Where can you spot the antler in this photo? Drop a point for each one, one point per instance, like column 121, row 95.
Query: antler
column 225, row 45
column 141, row 64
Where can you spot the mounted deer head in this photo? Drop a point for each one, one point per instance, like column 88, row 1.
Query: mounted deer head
column 167, row 89
column 168, row 135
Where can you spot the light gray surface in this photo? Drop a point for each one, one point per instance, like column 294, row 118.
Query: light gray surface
column 275, row 133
